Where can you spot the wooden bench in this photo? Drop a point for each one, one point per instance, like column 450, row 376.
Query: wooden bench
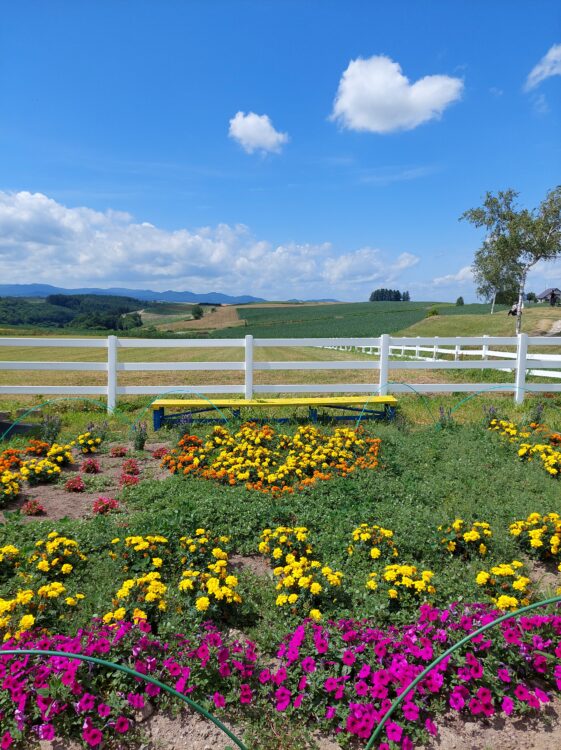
column 192, row 406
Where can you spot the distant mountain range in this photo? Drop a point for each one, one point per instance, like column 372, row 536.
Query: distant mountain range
column 43, row 290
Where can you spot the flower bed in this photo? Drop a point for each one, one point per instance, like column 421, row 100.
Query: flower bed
column 262, row 459
column 343, row 675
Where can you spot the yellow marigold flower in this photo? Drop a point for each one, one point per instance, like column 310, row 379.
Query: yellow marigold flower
column 392, row 593
column 315, row 614
column 315, row 588
column 202, row 603
column 482, row 578
column 66, row 569
column 120, row 614
column 26, row 622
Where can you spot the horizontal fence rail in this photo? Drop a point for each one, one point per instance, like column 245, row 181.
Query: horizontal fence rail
column 385, row 353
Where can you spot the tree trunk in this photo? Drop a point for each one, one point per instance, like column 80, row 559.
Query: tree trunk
column 493, row 304
column 520, row 300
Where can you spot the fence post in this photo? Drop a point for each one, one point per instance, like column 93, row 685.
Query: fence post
column 248, row 393
column 384, row 364
column 417, row 350
column 485, row 348
column 111, row 373
column 521, row 353
column 435, row 349
column 457, row 352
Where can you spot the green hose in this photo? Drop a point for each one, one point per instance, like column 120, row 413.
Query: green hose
column 432, row 665
column 132, row 673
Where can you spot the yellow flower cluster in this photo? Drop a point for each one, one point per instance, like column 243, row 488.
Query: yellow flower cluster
column 402, row 580
column 215, row 588
column 148, row 590
column 548, row 455
column 546, row 450
column 540, row 535
column 56, row 555
column 29, row 608
column 273, row 462
column 302, row 582
column 278, row 542
column 88, row 442
column 36, row 470
column 61, row 454
column 10, row 483
column 461, row 538
column 504, row 585
column 379, row 540
column 141, row 553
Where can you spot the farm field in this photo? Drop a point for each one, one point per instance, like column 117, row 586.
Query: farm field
column 137, row 566
column 342, row 319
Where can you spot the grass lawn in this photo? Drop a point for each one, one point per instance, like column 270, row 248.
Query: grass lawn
column 428, row 476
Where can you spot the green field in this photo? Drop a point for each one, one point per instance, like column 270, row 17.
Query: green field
column 340, row 319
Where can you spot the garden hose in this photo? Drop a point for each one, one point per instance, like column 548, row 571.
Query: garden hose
column 433, row 664
column 133, row 673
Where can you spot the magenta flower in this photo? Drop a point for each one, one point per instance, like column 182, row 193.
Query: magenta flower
column 308, row 664
column 410, row 711
column 92, row 736
column 393, row 731
column 219, row 700
column 122, row 725
column 46, row 732
column 136, row 701
column 507, row 705
column 103, row 710
column 283, row 698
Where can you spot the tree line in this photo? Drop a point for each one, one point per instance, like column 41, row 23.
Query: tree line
column 389, row 295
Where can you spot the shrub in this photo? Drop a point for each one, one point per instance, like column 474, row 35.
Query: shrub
column 75, row 484
column 33, row 508
column 50, row 427
column 432, row 312
column 139, row 435
column 160, row 452
column 118, row 451
column 130, row 466
column 128, row 480
column 104, row 505
column 90, row 466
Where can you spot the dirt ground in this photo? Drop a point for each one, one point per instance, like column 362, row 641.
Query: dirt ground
column 59, row 503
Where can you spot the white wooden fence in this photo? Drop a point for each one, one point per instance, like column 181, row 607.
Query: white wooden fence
column 384, row 348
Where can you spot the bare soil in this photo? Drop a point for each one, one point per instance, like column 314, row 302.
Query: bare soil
column 59, row 503
column 502, row 733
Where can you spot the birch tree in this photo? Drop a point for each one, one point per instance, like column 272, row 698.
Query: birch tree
column 516, row 239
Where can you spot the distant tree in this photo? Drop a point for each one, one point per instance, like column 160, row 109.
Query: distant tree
column 406, row 297
column 386, row 295
column 531, row 297
column 197, row 312
column 516, row 239
column 460, row 302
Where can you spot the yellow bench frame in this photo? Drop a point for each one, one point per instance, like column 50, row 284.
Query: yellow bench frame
column 353, row 404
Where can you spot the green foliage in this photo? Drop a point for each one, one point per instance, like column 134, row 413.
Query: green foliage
column 387, row 295
column 82, row 311
column 432, row 311
column 50, row 427
column 197, row 312
column 460, row 302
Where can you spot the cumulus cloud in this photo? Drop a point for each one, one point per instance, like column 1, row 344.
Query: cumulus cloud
column 42, row 240
column 464, row 276
column 256, row 133
column 375, row 96
column 549, row 65
column 366, row 265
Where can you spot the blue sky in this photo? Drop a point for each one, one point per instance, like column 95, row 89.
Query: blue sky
column 124, row 160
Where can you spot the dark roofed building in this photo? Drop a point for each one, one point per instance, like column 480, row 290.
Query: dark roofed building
column 552, row 295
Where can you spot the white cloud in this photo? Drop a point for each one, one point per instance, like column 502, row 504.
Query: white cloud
column 256, row 133
column 464, row 276
column 366, row 265
column 375, row 96
column 42, row 240
column 549, row 65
